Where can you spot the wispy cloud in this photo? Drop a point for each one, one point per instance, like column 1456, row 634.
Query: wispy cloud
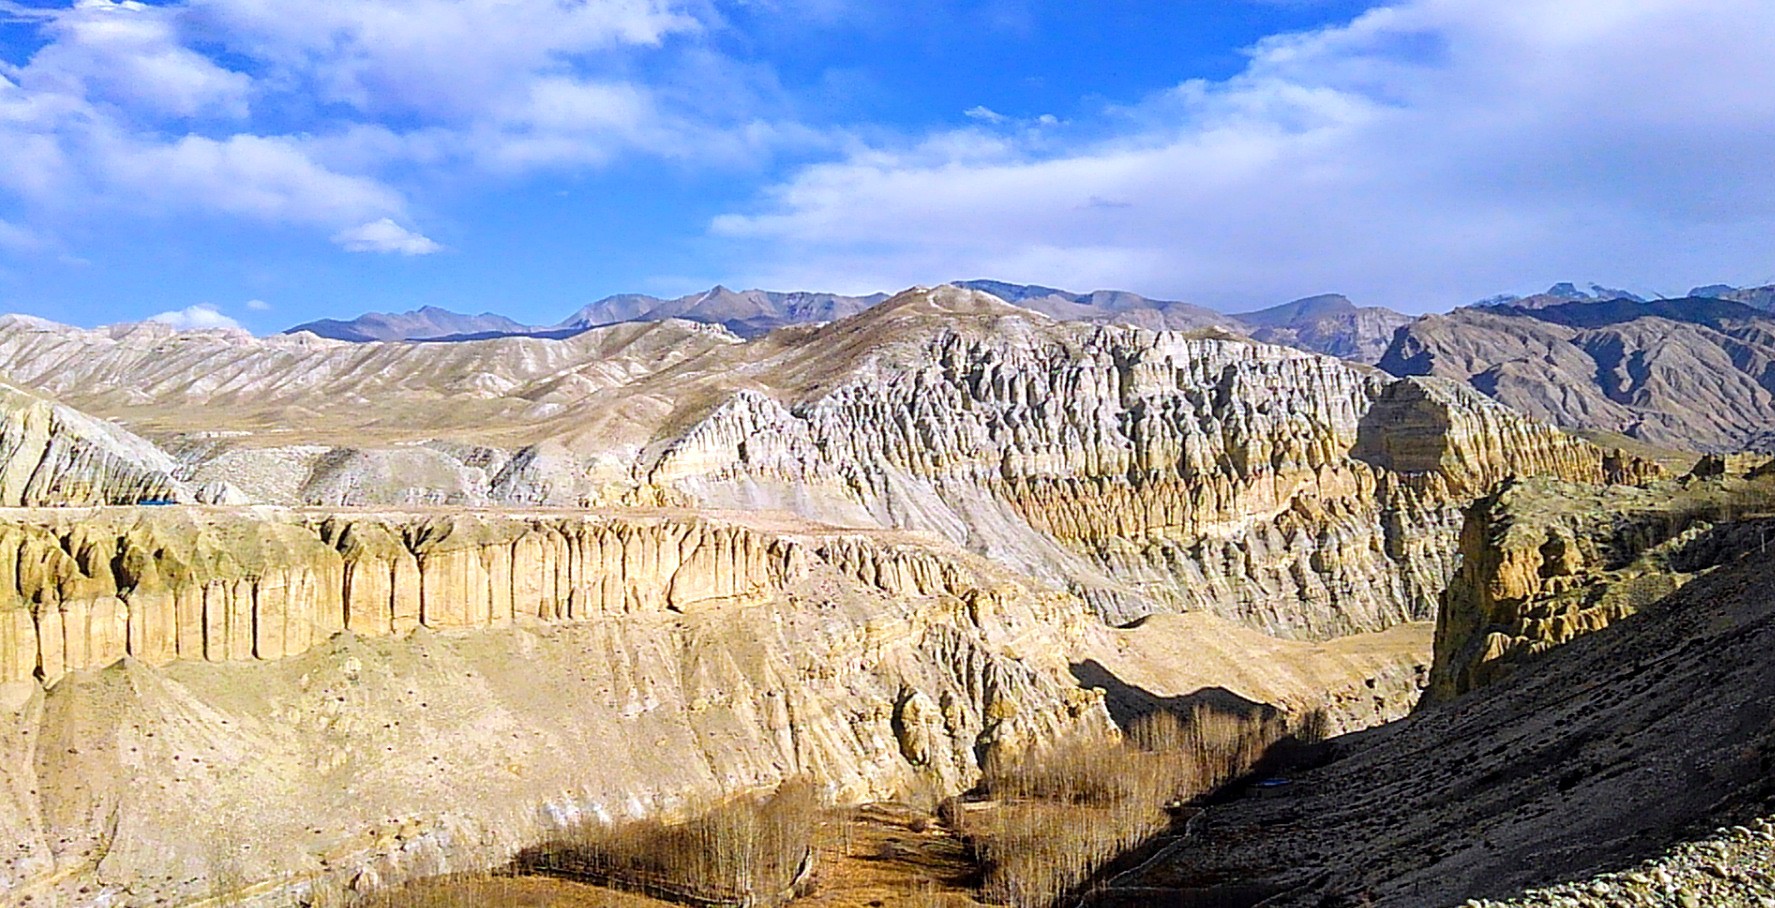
column 18, row 239
column 1422, row 154
column 195, row 318
column 385, row 236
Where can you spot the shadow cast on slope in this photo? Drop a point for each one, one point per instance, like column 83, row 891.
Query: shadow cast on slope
column 1128, row 702
column 1589, row 758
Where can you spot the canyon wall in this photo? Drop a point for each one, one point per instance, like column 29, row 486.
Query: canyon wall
column 375, row 696
column 1545, row 561
column 1146, row 471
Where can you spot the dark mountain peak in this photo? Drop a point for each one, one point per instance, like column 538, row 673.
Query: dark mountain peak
column 1311, row 308
column 1712, row 313
column 1017, row 293
column 424, row 323
column 1714, row 291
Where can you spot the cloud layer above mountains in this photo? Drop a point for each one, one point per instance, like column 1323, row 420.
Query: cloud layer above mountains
column 1423, row 151
column 1418, row 155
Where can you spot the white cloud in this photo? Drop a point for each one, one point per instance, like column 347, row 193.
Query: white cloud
column 326, row 115
column 1423, row 154
column 130, row 53
column 269, row 179
column 984, row 114
column 385, row 236
column 449, row 60
column 195, row 318
column 258, row 305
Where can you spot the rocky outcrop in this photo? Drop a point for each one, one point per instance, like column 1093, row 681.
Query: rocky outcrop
column 1544, row 562
column 434, row 692
column 51, row 455
column 1145, row 470
column 1613, row 749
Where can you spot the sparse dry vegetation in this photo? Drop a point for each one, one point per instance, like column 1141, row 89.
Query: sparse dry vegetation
column 484, row 890
column 1050, row 820
column 1061, row 814
column 749, row 851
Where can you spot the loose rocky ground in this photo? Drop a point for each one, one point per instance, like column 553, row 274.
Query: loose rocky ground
column 1733, row 868
column 1588, row 760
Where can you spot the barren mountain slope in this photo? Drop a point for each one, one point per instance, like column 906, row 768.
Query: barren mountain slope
column 1145, row 470
column 1696, row 374
column 297, row 388
column 1328, row 324
column 54, row 455
column 1590, row 758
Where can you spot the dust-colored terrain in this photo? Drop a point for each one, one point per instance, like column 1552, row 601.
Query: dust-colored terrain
column 449, row 603
column 1581, row 764
column 1691, row 374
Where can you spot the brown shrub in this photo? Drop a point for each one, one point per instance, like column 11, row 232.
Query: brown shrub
column 751, row 850
column 1069, row 809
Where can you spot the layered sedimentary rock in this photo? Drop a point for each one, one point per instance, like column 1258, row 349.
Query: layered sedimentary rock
column 1145, row 471
column 53, row 455
column 83, row 589
column 1544, row 562
column 502, row 676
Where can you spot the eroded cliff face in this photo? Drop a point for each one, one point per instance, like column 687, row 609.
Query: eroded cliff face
column 53, row 455
column 1144, row 471
column 1544, row 562
column 501, row 676
column 1148, row 471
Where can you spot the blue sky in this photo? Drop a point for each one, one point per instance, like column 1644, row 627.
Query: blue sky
column 281, row 160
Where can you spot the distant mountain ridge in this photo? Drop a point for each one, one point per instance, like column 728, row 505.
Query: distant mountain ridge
column 747, row 313
column 1561, row 293
column 1327, row 323
column 1696, row 373
column 1756, row 297
column 424, row 323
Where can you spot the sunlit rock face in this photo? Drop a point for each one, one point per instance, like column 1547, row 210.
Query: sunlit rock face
column 1544, row 562
column 440, row 691
column 1147, row 471
column 1144, row 471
